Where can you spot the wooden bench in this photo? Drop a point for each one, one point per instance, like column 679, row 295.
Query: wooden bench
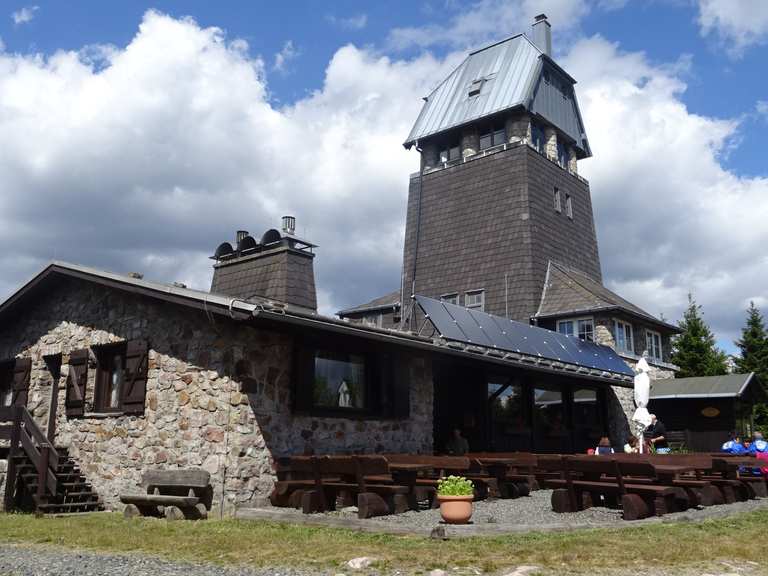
column 711, row 469
column 515, row 472
column 590, row 478
column 441, row 466
column 175, row 494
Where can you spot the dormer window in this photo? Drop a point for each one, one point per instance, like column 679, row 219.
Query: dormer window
column 475, row 87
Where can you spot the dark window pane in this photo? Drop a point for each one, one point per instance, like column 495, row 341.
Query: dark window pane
column 486, row 141
column 499, row 136
column 454, row 153
column 587, row 418
column 339, row 380
column 550, row 433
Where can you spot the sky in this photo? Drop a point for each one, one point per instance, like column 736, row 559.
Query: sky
column 138, row 136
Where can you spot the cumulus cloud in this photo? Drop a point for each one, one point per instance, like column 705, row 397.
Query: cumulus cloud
column 484, row 20
column 24, row 15
column 671, row 219
column 150, row 158
column 357, row 22
column 738, row 25
column 284, row 57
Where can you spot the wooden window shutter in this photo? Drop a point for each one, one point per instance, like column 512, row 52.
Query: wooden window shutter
column 135, row 383
column 76, row 381
column 303, row 377
column 21, row 372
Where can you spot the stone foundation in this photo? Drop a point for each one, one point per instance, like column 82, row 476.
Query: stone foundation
column 218, row 396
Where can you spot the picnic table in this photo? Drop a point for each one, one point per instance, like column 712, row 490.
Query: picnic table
column 509, row 484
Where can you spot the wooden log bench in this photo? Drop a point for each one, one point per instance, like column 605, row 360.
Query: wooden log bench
column 175, row 494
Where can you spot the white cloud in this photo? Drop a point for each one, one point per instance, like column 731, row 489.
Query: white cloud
column 357, row 22
column 287, row 54
column 671, row 219
column 761, row 107
column 2, row 44
column 24, row 15
column 151, row 158
column 484, row 20
column 738, row 24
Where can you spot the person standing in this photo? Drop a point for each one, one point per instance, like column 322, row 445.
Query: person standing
column 457, row 445
column 656, row 435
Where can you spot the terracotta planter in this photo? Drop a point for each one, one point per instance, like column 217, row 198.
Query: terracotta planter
column 456, row 509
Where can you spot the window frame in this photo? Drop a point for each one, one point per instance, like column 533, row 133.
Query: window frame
column 569, row 206
column 651, row 333
column 620, row 326
column 557, row 200
column 576, row 331
column 481, row 306
column 105, row 355
column 6, row 383
column 450, row 298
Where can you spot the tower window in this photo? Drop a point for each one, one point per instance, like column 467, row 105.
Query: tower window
column 450, row 153
column 568, row 206
column 493, row 137
column 450, row 298
column 475, row 300
column 537, row 137
column 556, row 198
column 562, row 154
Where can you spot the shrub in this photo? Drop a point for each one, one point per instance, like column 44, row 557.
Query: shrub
column 455, row 486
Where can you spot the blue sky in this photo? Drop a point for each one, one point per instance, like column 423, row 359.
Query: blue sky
column 140, row 116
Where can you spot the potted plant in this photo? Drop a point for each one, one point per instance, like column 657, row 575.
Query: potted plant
column 455, row 494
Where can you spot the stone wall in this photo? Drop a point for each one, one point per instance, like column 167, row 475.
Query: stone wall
column 218, row 396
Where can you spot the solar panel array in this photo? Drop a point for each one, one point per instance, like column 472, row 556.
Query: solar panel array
column 474, row 327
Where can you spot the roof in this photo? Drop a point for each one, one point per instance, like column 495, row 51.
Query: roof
column 262, row 309
column 391, row 300
column 509, row 74
column 727, row 386
column 568, row 292
column 488, row 333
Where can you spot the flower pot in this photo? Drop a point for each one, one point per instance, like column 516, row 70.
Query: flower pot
column 456, row 509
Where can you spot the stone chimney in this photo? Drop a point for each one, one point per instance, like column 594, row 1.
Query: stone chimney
column 278, row 267
column 541, row 34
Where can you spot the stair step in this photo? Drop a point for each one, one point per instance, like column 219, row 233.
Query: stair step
column 69, row 506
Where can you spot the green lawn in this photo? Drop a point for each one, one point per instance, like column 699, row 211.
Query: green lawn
column 738, row 538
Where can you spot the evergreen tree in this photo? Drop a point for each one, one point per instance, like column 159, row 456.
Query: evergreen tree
column 754, row 358
column 694, row 350
column 753, row 346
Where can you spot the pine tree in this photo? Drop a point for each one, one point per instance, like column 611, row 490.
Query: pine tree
column 694, row 350
column 754, row 358
column 753, row 345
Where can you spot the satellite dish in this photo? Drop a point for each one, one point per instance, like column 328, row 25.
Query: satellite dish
column 246, row 243
column 223, row 249
column 271, row 236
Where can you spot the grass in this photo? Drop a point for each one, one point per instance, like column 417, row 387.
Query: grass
column 737, row 538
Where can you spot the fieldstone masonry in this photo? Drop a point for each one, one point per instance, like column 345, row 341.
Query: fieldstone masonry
column 218, row 396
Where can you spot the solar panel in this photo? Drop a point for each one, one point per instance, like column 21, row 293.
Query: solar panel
column 474, row 327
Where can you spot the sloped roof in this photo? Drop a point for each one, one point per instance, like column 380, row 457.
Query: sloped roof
column 568, row 292
column 510, row 75
column 391, row 300
column 727, row 386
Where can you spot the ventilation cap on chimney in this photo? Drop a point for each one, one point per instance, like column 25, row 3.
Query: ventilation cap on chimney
column 542, row 34
column 289, row 225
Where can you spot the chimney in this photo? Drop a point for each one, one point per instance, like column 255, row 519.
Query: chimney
column 542, row 34
column 277, row 267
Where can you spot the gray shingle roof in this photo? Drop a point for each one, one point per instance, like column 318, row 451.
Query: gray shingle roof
column 727, row 386
column 568, row 291
column 388, row 301
column 508, row 75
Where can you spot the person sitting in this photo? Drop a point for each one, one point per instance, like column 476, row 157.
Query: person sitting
column 603, row 447
column 734, row 445
column 655, row 435
column 631, row 447
column 759, row 445
column 457, row 445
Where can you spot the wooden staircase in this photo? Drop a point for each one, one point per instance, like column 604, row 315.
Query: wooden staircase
column 41, row 478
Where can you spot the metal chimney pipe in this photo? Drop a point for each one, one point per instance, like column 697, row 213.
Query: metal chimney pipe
column 289, row 225
column 541, row 34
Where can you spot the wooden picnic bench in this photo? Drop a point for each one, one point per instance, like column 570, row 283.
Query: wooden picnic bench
column 441, row 466
column 514, row 472
column 176, row 494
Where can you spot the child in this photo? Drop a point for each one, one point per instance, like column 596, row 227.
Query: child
column 631, row 446
column 603, row 447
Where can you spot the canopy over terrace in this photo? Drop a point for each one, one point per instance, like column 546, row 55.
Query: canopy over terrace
column 557, row 398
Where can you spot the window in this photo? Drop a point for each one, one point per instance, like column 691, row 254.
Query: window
column 475, row 300
column 375, row 320
column 450, row 298
column 556, row 198
column 450, row 153
column 562, row 154
column 537, row 137
column 340, row 380
column 584, row 328
column 6, row 384
column 110, row 378
column 493, row 137
column 653, row 345
column 475, row 87
column 568, row 206
column 623, row 337
column 14, row 381
column 588, row 422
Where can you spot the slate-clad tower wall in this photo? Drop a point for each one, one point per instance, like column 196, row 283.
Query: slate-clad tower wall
column 490, row 224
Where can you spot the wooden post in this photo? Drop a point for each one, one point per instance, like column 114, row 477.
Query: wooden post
column 10, row 479
column 42, row 473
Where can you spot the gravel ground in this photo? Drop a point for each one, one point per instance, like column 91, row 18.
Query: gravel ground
column 531, row 513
